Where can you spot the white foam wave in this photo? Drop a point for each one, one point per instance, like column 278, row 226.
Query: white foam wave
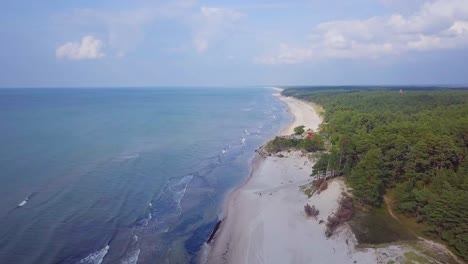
column 132, row 257
column 150, row 216
column 25, row 201
column 95, row 257
column 204, row 252
column 246, row 132
column 178, row 196
column 127, row 157
column 243, row 140
column 223, row 151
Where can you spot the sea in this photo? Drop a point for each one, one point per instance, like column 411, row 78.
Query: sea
column 123, row 175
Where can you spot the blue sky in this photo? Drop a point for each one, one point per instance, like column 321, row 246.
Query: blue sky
column 232, row 43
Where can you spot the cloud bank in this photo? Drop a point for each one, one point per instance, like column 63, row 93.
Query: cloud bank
column 88, row 49
column 125, row 30
column 437, row 25
column 211, row 23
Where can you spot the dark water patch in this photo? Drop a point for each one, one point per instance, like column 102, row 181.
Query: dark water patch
column 182, row 227
column 377, row 226
column 199, row 237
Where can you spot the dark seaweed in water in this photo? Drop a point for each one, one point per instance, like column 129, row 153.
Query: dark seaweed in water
column 194, row 243
column 213, row 233
column 378, row 227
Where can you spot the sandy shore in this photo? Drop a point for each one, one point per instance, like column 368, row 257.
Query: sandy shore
column 303, row 115
column 264, row 219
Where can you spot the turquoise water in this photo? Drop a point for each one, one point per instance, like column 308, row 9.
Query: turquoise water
column 123, row 175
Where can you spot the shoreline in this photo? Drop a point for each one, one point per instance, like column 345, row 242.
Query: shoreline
column 235, row 228
column 239, row 210
column 256, row 159
column 302, row 113
column 263, row 219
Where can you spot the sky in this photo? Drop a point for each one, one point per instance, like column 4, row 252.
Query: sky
column 51, row 43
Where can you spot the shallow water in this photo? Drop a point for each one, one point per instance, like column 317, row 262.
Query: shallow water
column 123, row 175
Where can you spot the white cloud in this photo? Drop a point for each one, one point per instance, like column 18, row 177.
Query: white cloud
column 89, row 48
column 125, row 30
column 441, row 24
column 287, row 55
column 459, row 27
column 212, row 23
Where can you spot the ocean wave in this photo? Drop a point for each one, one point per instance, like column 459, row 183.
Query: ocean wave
column 243, row 140
column 226, row 149
column 204, row 252
column 26, row 200
column 167, row 204
column 128, row 157
column 95, row 257
column 132, row 257
column 179, row 195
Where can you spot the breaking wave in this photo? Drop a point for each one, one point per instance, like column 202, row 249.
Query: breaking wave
column 131, row 257
column 95, row 257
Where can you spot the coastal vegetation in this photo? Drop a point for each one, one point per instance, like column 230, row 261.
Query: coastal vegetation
column 315, row 143
column 413, row 142
column 311, row 211
column 344, row 213
column 299, row 130
column 320, row 185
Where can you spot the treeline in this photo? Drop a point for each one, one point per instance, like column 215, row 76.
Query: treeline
column 278, row 144
column 415, row 143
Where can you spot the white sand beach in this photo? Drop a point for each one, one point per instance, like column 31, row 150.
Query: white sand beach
column 264, row 219
column 266, row 223
column 303, row 113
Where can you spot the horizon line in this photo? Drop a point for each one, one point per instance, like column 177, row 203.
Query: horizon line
column 239, row 86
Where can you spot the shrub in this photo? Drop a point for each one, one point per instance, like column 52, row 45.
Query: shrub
column 318, row 182
column 344, row 214
column 320, row 185
column 280, row 144
column 299, row 130
column 311, row 211
column 313, row 144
